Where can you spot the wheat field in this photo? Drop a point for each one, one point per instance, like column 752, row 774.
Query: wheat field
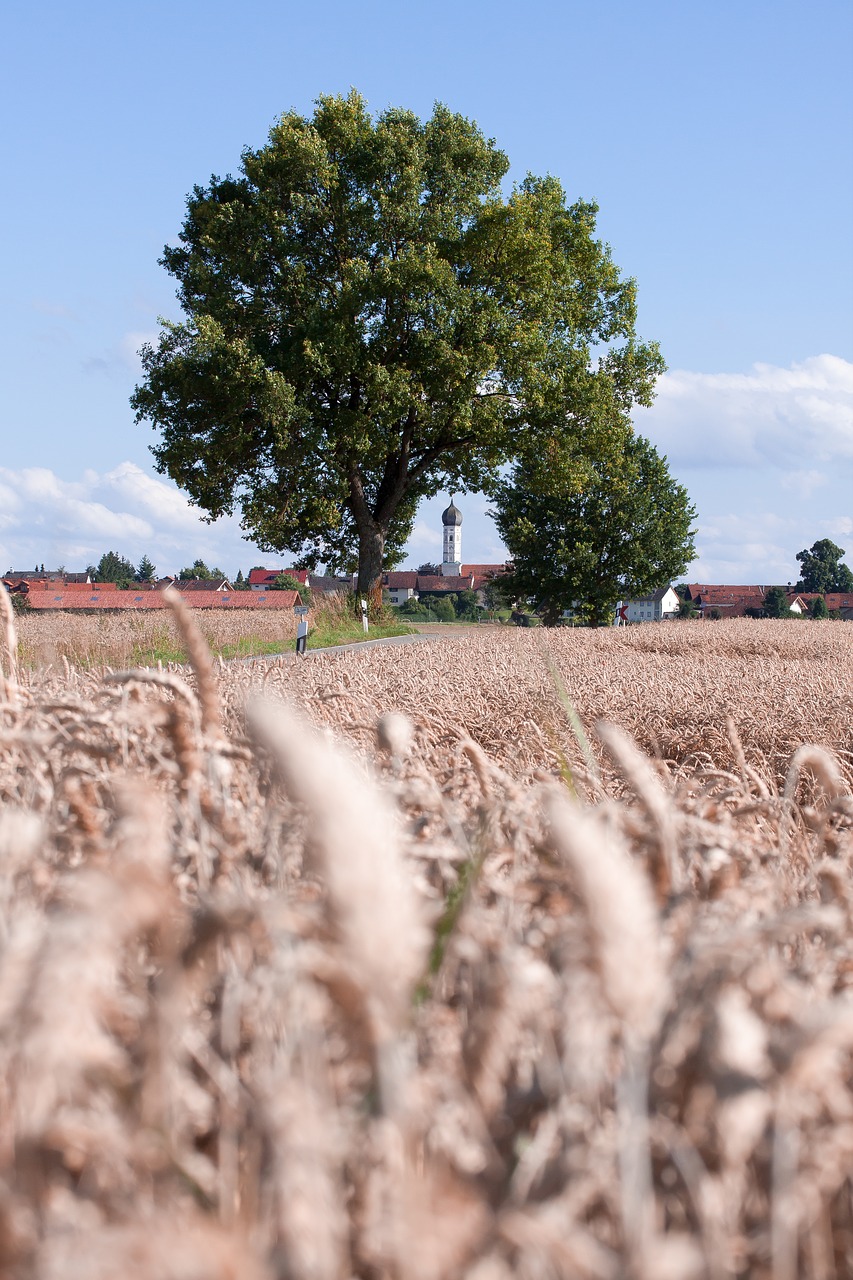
column 515, row 954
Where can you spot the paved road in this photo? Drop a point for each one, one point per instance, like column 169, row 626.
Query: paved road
column 290, row 654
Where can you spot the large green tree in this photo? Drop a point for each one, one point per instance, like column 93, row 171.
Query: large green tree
column 588, row 527
column 821, row 568
column 371, row 320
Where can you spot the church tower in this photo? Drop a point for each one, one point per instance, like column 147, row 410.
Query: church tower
column 451, row 560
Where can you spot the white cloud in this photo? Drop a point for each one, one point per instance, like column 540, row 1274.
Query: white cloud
column 804, row 483
column 770, row 416
column 46, row 519
column 122, row 356
column 423, row 536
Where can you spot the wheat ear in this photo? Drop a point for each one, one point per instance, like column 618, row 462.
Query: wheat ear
column 354, row 832
column 200, row 661
column 10, row 682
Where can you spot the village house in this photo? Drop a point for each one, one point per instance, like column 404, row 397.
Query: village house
column 659, row 606
column 59, row 599
column 325, row 584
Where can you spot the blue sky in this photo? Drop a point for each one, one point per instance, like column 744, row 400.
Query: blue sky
column 717, row 141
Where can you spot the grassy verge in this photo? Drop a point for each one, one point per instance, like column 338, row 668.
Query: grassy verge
column 325, row 636
column 343, row 631
column 126, row 639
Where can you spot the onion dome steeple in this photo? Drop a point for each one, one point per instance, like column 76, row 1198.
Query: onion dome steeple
column 451, row 514
column 451, row 560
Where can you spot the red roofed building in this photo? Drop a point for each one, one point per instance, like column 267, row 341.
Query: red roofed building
column 202, row 584
column 836, row 601
column 727, row 601
column 136, row 599
column 260, row 579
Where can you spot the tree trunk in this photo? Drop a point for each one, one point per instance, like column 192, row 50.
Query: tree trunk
column 371, row 542
column 371, row 551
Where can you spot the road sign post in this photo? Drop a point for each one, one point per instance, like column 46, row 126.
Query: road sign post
column 364, row 615
column 301, row 611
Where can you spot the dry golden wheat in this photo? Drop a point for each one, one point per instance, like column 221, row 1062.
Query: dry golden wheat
column 454, row 969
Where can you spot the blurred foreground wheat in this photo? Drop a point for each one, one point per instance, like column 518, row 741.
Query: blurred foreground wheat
column 403, row 964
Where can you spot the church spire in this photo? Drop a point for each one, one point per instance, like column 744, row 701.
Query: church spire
column 451, row 561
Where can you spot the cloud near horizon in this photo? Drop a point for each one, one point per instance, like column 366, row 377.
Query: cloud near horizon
column 54, row 521
column 769, row 417
column 762, row 455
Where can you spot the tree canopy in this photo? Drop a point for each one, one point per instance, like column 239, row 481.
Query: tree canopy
column 821, row 569
column 370, row 320
column 588, row 528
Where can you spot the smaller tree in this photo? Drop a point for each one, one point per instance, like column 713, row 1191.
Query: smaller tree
column 599, row 523
column 822, row 570
column 776, row 603
column 429, row 569
column 240, row 583
column 687, row 608
column 818, row 608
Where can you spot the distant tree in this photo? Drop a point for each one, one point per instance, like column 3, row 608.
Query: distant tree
column 412, row 608
column 429, row 570
column 146, row 571
column 20, row 603
column 687, row 608
column 594, row 525
column 198, row 569
column 287, row 582
column 240, row 583
column 776, row 603
column 441, row 607
column 467, row 604
column 113, row 568
column 822, row 570
column 818, row 608
column 498, row 593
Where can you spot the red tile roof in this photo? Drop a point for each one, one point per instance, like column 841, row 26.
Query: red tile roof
column 147, row 599
column 428, row 583
column 202, row 584
column 397, row 579
column 485, row 570
column 834, row 599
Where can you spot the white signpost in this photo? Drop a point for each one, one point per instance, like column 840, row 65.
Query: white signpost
column 364, row 614
column 301, row 611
